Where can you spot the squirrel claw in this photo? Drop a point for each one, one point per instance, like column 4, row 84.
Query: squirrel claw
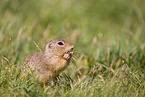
column 66, row 56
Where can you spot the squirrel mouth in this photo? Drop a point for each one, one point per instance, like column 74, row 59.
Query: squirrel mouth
column 71, row 52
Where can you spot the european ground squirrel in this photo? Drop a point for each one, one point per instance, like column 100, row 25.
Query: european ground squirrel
column 48, row 64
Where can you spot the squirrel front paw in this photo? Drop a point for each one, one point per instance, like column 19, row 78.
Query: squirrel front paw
column 66, row 56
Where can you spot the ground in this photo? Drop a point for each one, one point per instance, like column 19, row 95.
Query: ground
column 108, row 37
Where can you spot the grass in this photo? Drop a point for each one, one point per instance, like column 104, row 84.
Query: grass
column 108, row 35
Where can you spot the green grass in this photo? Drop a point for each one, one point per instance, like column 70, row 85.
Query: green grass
column 109, row 37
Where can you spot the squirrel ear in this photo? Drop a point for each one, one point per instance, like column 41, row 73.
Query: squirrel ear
column 49, row 45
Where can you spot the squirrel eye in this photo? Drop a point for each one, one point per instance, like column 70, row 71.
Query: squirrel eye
column 60, row 43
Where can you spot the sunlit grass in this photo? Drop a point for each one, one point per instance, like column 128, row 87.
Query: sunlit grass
column 108, row 37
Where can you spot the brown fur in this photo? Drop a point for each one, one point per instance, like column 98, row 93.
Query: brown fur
column 48, row 64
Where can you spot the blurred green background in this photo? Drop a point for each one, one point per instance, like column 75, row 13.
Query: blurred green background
column 108, row 35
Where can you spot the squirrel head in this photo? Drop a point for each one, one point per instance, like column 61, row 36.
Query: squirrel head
column 59, row 47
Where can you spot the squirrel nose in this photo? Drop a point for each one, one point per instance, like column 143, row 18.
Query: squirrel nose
column 72, row 46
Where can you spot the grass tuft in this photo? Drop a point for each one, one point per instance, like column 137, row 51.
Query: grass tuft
column 108, row 37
